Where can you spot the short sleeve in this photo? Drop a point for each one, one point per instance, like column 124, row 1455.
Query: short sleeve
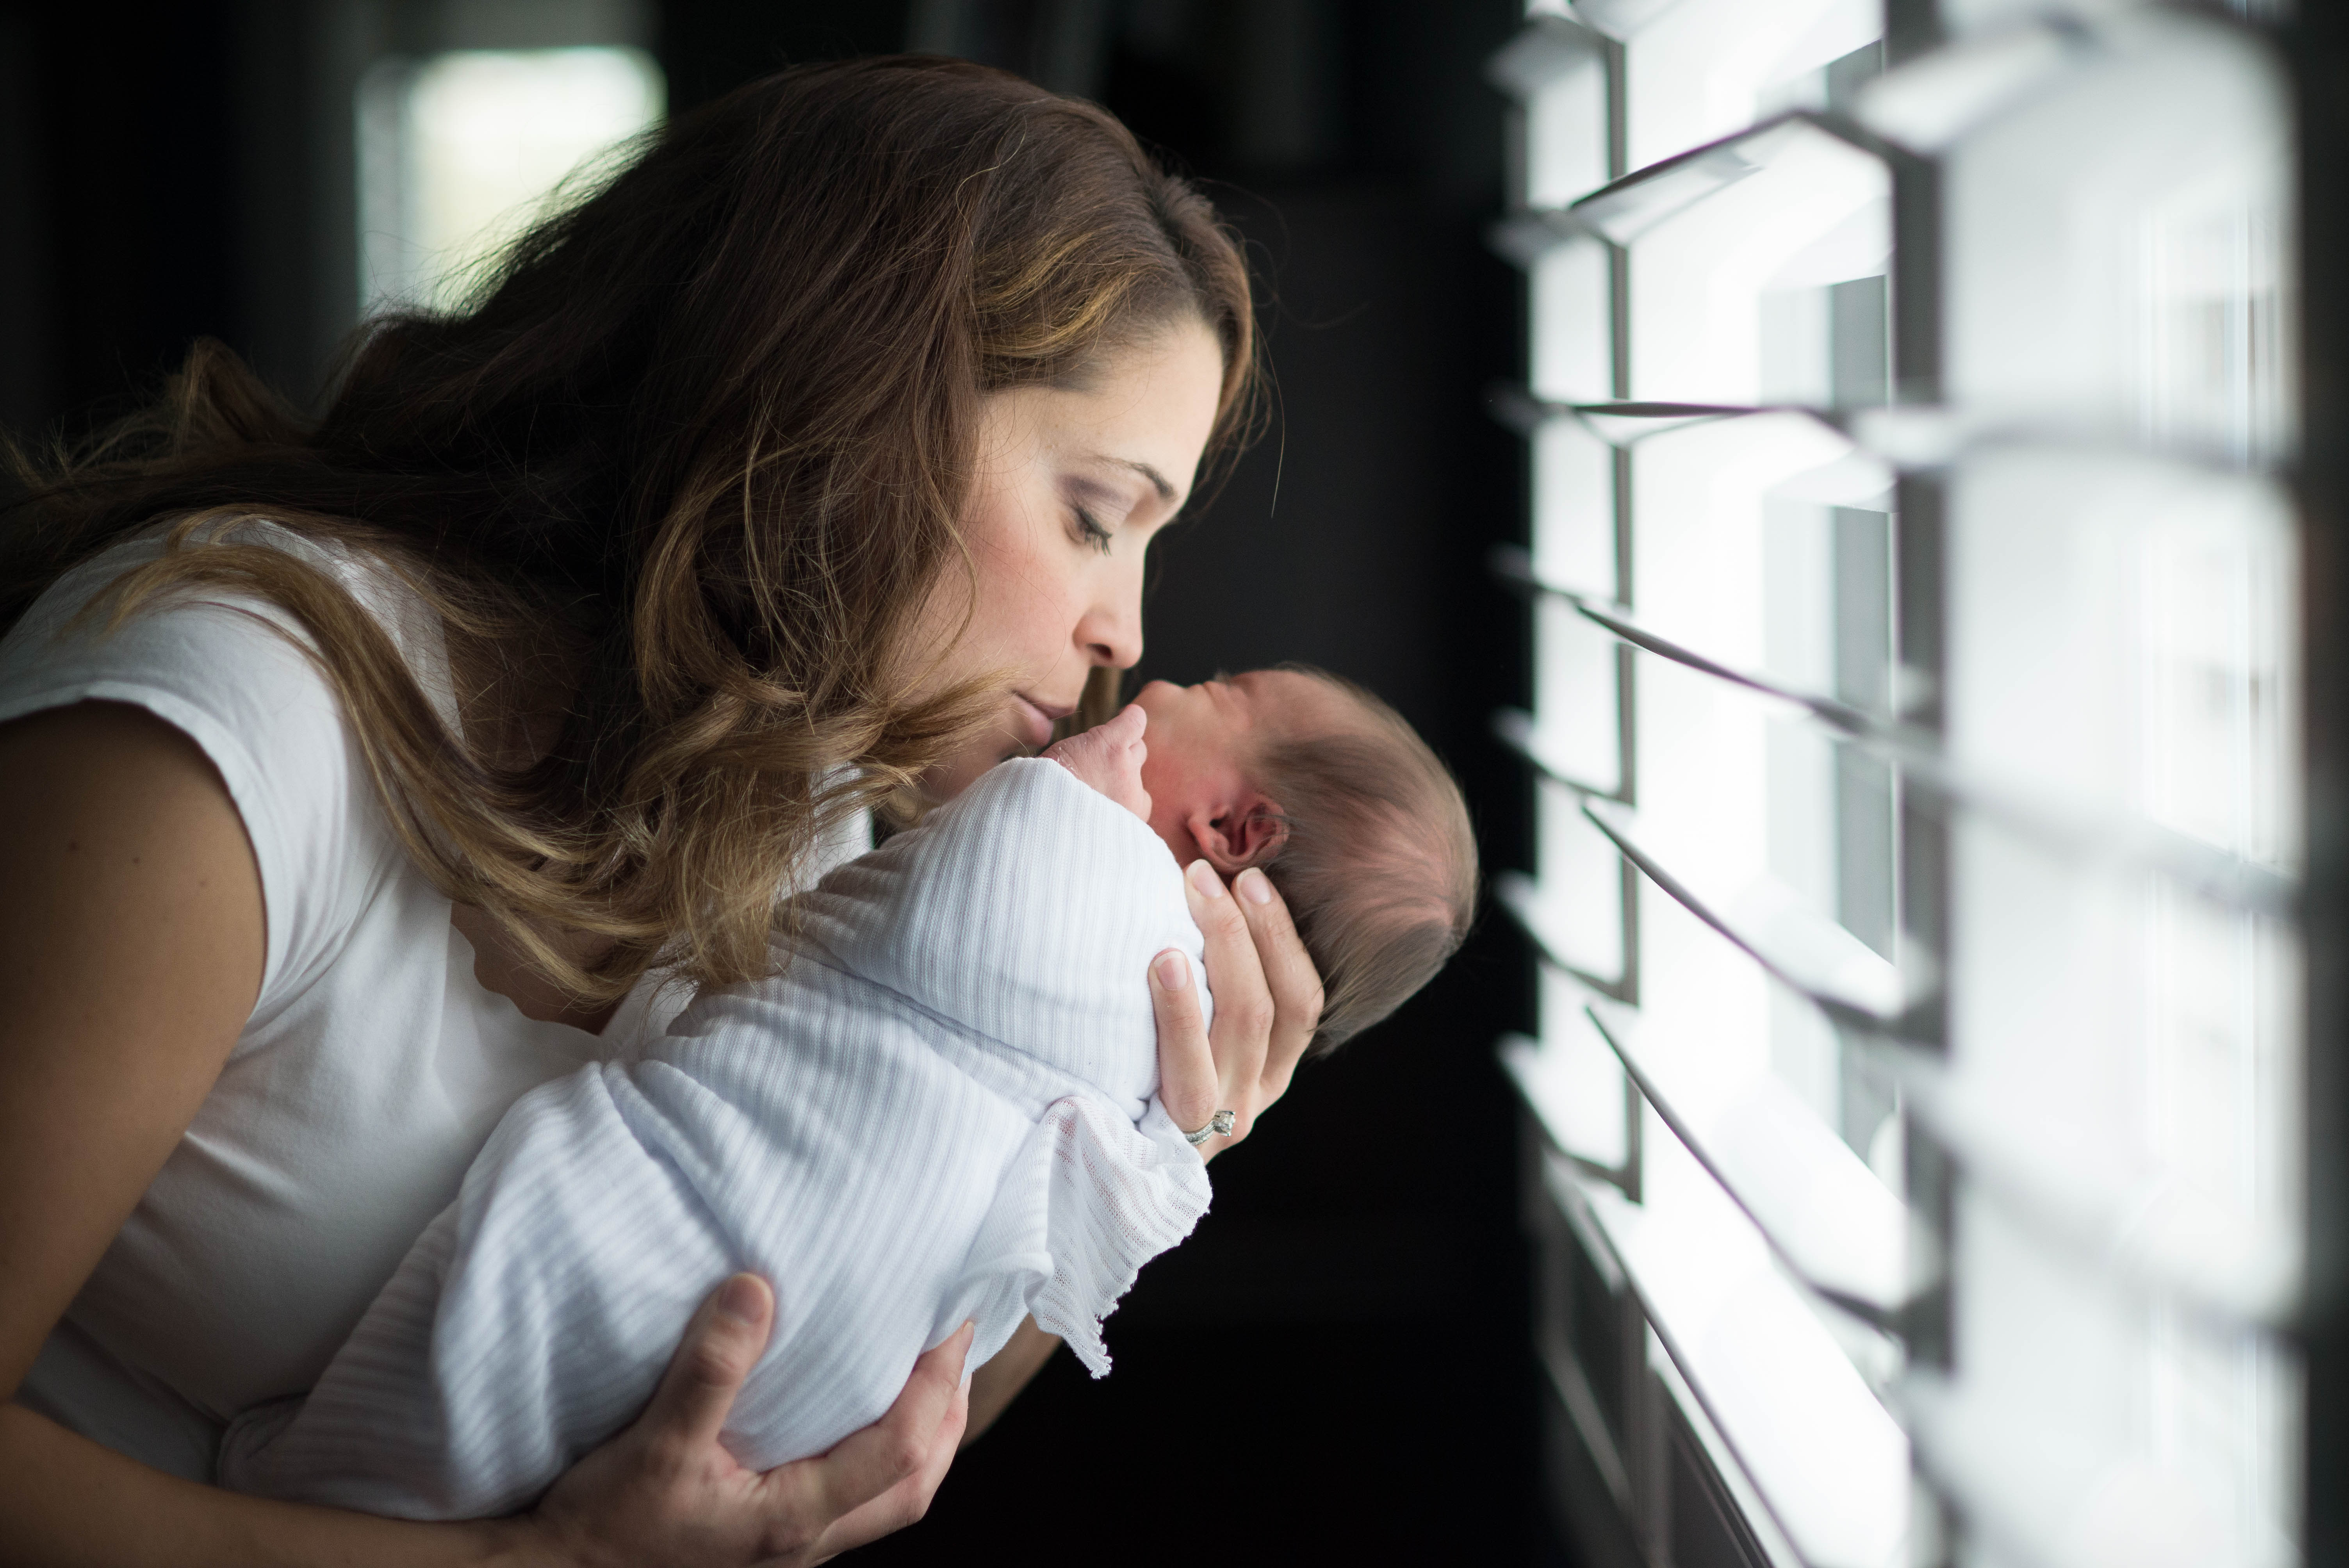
column 222, row 670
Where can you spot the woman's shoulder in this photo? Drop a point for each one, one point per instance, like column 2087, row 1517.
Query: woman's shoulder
column 66, row 627
column 233, row 671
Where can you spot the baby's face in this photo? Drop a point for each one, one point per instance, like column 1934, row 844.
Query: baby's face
column 1202, row 741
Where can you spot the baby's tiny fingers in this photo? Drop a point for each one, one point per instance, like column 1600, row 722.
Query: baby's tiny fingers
column 1127, row 728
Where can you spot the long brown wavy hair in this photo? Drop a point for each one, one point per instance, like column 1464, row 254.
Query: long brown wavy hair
column 675, row 483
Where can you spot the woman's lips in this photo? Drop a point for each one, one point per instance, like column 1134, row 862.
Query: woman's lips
column 1035, row 721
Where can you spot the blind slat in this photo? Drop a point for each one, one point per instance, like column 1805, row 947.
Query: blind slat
column 1827, row 1460
column 1623, row 209
column 1516, row 567
column 1815, row 1203
column 1802, row 947
column 2105, row 838
column 1622, row 421
column 1522, row 896
column 1527, row 1063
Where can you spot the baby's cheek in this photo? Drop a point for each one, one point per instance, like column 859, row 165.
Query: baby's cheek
column 1146, row 769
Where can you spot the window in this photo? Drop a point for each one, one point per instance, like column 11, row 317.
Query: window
column 1918, row 1088
column 459, row 151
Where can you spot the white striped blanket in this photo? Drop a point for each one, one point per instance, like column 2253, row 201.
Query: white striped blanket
column 943, row 1111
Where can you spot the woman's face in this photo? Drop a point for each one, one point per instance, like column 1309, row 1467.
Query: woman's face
column 1072, row 482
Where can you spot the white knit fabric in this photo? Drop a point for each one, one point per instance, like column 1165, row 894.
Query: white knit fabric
column 943, row 1111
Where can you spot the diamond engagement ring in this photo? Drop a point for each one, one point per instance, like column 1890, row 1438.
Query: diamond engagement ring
column 1218, row 1126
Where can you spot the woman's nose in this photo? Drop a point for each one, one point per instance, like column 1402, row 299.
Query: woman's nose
column 1111, row 632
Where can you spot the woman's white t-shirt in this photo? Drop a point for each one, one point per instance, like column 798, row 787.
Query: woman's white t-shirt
column 374, row 1065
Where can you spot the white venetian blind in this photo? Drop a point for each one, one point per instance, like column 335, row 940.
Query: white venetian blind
column 1915, row 721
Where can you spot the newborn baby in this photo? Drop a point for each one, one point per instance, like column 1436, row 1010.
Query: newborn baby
column 943, row 1109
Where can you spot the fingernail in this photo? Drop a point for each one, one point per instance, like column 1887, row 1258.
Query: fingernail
column 740, row 1299
column 1203, row 878
column 1255, row 886
column 1174, row 971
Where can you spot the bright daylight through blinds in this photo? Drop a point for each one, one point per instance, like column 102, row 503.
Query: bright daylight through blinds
column 458, row 153
column 1920, row 822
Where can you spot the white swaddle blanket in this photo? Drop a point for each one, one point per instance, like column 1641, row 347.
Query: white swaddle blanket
column 943, row 1111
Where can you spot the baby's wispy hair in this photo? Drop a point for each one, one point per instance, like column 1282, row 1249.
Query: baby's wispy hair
column 1376, row 860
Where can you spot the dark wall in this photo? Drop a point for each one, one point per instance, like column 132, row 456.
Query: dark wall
column 708, row 47
column 170, row 171
column 1337, row 1367
column 119, row 169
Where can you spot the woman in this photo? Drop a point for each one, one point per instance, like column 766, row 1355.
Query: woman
column 805, row 468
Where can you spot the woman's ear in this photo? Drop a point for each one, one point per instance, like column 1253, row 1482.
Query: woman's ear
column 1234, row 840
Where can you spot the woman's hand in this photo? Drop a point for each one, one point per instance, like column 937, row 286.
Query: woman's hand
column 1267, row 1004
column 666, row 1490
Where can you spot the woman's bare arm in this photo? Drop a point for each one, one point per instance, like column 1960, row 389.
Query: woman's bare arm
column 132, row 928
column 131, row 940
column 996, row 1384
column 664, row 1491
column 131, row 946
column 67, row 1500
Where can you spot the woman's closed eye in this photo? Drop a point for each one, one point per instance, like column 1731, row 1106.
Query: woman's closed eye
column 1089, row 529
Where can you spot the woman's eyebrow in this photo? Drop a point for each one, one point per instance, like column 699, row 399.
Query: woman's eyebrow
column 1157, row 480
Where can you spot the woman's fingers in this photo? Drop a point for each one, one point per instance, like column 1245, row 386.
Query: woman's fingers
column 1289, row 975
column 1268, row 1006
column 1187, row 1084
column 905, row 1445
column 904, row 1503
column 688, row 1409
column 667, row 1490
column 1243, row 1026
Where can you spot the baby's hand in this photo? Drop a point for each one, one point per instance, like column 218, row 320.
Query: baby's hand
column 1109, row 758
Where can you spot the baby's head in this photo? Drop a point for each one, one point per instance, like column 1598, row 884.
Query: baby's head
column 1327, row 790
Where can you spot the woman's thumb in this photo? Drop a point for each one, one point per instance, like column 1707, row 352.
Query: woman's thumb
column 720, row 1347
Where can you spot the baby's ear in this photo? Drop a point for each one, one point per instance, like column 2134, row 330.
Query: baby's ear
column 1236, row 841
